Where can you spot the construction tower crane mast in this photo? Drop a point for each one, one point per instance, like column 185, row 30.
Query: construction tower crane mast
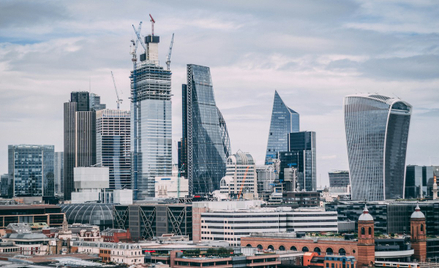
column 119, row 100
column 139, row 38
column 168, row 59
column 152, row 24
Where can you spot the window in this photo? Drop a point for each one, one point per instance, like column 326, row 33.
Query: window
column 363, row 231
column 370, row 230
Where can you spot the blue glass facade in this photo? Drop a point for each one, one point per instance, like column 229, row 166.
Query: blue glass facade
column 151, row 101
column 31, row 168
column 205, row 144
column 283, row 121
column 376, row 132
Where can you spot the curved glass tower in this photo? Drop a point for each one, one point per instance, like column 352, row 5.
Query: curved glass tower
column 205, row 144
column 377, row 130
column 283, row 121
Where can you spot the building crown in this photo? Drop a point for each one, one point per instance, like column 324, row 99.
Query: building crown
column 417, row 214
column 365, row 216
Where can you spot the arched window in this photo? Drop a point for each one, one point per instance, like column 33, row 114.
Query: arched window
column 281, row 248
column 249, row 246
column 341, row 251
column 270, row 247
column 329, row 251
column 370, row 230
column 293, row 248
column 260, row 247
column 305, row 249
column 422, row 227
column 363, row 231
column 317, row 249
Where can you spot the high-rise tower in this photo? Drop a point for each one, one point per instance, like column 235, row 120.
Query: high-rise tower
column 113, row 146
column 303, row 144
column 283, row 121
column 377, row 130
column 205, row 145
column 79, row 137
column 151, row 120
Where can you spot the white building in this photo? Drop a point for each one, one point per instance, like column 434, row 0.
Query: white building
column 171, row 187
column 127, row 253
column 234, row 220
column 240, row 180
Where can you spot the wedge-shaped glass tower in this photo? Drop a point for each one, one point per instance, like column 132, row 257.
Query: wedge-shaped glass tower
column 283, row 121
column 377, row 129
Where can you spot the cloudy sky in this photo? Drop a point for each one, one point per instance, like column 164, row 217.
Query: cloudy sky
column 312, row 52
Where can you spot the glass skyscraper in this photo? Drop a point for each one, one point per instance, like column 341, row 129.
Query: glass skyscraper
column 377, row 130
column 151, row 121
column 205, row 145
column 113, row 146
column 31, row 168
column 304, row 145
column 283, row 121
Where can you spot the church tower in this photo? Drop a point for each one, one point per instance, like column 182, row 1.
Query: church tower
column 366, row 239
column 418, row 234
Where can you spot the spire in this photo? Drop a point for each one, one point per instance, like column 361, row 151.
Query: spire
column 417, row 214
column 65, row 226
column 365, row 216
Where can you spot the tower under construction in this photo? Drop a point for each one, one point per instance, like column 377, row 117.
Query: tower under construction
column 151, row 117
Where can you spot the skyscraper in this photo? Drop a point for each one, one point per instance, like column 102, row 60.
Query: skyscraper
column 151, row 121
column 31, row 169
column 95, row 102
column 205, row 145
column 339, row 178
column 79, row 137
column 304, row 145
column 59, row 172
column 113, row 146
column 283, row 121
column 377, row 130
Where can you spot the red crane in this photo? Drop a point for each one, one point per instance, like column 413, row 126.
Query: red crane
column 152, row 24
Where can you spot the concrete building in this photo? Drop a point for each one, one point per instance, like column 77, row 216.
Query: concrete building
column 90, row 184
column 240, row 180
column 339, row 178
column 59, row 173
column 120, row 253
column 230, row 221
column 171, row 187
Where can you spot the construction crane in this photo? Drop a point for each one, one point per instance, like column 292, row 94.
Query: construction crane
column 119, row 100
column 168, row 59
column 243, row 181
column 139, row 38
column 152, row 24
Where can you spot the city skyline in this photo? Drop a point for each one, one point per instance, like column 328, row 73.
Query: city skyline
column 389, row 48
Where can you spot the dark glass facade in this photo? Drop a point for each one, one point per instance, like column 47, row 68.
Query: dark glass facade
column 304, row 145
column 151, row 126
column 283, row 121
column 205, row 145
column 376, row 132
column 339, row 178
column 113, row 146
column 31, row 168
column 79, row 137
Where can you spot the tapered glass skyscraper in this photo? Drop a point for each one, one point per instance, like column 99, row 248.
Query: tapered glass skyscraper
column 283, row 121
column 151, row 121
column 205, row 145
column 377, row 130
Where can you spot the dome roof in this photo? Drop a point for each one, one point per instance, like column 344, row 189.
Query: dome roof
column 89, row 213
column 365, row 216
column 417, row 214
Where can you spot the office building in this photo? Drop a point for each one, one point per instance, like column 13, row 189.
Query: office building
column 240, row 180
column 146, row 221
column 49, row 214
column 59, row 173
column 419, row 181
column 304, row 144
column 230, row 221
column 339, row 178
column 205, row 145
column 79, row 137
column 289, row 175
column 151, row 121
column 283, row 121
column 31, row 169
column 265, row 177
column 113, row 146
column 171, row 187
column 377, row 130
column 95, row 102
column 6, row 186
column 90, row 183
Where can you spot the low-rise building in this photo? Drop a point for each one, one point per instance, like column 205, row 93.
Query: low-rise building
column 127, row 253
column 49, row 214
